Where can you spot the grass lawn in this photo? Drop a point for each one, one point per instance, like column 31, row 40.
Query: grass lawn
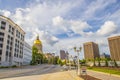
column 106, row 70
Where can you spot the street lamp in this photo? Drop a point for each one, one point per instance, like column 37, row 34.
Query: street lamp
column 78, row 50
column 70, row 57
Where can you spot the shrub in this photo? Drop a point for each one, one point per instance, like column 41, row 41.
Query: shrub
column 14, row 66
column 115, row 63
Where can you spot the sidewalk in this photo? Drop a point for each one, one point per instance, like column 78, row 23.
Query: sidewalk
column 103, row 76
column 74, row 75
column 65, row 75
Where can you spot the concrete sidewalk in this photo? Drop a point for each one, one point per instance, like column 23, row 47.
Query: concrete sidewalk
column 103, row 76
column 64, row 75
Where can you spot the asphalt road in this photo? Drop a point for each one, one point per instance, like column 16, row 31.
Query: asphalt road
column 29, row 70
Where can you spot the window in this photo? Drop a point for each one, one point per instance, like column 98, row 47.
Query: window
column 11, row 38
column 12, row 30
column 7, row 47
column 8, row 36
column 1, row 34
column 23, row 38
column 1, row 45
column 16, row 33
column 3, row 24
column 0, row 58
column 9, row 28
column 10, row 54
column 8, row 42
column 6, row 53
column 0, row 52
column 1, row 39
column 15, row 54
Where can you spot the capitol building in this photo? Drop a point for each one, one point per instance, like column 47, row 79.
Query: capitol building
column 38, row 44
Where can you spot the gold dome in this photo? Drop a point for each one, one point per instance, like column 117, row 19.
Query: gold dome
column 37, row 41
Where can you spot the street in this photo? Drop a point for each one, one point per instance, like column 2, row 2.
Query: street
column 38, row 72
column 28, row 70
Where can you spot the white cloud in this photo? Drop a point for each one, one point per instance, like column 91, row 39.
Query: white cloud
column 36, row 18
column 79, row 26
column 57, row 21
column 94, row 7
column 5, row 13
column 108, row 28
column 48, row 18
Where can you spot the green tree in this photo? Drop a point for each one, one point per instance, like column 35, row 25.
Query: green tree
column 59, row 62
column 116, row 65
column 37, row 58
column 98, row 60
column 34, row 55
column 106, row 62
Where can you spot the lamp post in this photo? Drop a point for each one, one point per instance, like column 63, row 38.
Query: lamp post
column 78, row 50
column 70, row 57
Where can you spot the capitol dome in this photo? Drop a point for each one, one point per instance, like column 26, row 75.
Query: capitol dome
column 37, row 41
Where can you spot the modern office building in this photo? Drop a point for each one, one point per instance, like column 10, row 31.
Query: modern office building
column 91, row 50
column 63, row 55
column 114, row 45
column 27, row 54
column 11, row 42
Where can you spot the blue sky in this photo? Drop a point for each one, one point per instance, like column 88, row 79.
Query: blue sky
column 63, row 24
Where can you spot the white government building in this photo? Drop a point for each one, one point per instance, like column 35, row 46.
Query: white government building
column 11, row 43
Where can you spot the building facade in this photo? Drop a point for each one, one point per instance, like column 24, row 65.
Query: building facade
column 114, row 46
column 11, row 42
column 91, row 50
column 27, row 54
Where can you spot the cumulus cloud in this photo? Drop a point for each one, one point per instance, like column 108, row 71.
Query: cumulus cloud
column 48, row 18
column 37, row 17
column 58, row 21
column 108, row 28
column 5, row 13
column 79, row 26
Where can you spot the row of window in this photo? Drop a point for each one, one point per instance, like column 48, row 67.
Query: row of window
column 18, row 55
column 11, row 30
column 18, row 49
column 19, row 35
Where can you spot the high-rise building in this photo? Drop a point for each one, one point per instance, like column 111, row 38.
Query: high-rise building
column 27, row 54
column 63, row 55
column 38, row 44
column 114, row 45
column 91, row 50
column 11, row 42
